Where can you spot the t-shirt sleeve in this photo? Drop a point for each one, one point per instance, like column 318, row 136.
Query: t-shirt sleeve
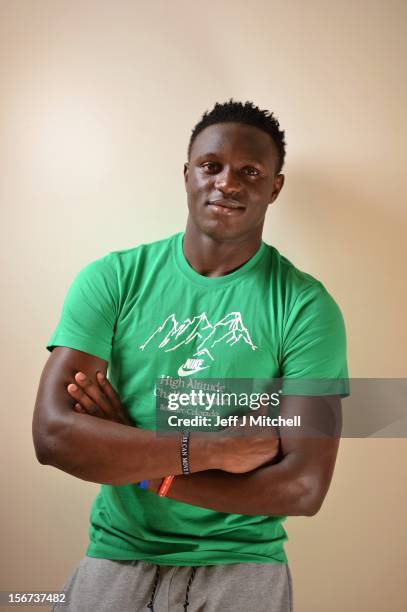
column 314, row 346
column 90, row 310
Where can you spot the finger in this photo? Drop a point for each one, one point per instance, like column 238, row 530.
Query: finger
column 108, row 389
column 95, row 393
column 84, row 400
column 112, row 395
column 78, row 408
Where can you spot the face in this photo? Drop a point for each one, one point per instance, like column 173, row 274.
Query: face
column 230, row 181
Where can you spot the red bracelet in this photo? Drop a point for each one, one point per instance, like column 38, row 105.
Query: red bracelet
column 165, row 485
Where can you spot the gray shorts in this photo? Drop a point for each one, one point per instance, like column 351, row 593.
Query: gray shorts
column 135, row 586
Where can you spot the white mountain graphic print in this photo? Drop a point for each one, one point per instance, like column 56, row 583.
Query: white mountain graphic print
column 171, row 334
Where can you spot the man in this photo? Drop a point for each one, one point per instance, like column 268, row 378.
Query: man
column 215, row 301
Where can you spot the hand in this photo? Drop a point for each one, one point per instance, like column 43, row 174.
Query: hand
column 97, row 398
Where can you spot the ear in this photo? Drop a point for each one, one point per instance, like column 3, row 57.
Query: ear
column 278, row 183
column 186, row 165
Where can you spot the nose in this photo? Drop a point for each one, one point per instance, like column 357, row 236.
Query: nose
column 227, row 181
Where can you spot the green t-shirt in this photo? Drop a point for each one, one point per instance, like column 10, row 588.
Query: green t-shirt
column 148, row 313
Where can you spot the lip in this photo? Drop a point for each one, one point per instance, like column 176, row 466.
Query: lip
column 227, row 204
column 222, row 208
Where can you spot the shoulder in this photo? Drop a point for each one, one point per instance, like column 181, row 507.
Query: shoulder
column 118, row 262
column 146, row 247
column 291, row 280
column 300, row 294
column 126, row 259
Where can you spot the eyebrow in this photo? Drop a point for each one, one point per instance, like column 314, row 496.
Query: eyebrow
column 246, row 160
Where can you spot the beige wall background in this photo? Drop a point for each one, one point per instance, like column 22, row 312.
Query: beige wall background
column 98, row 99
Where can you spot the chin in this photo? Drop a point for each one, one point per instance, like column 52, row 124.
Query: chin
column 220, row 233
column 218, row 229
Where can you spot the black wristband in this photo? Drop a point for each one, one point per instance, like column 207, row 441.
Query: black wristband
column 185, row 453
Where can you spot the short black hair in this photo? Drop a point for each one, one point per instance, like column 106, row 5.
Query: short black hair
column 248, row 114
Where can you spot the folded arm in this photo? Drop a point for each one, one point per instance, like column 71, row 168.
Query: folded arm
column 110, row 449
column 296, row 485
column 97, row 449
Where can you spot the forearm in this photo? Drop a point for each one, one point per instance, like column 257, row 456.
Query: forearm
column 275, row 490
column 106, row 452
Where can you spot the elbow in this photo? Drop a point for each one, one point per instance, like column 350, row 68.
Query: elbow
column 40, row 441
column 311, row 497
column 44, row 448
column 48, row 442
column 312, row 501
column 311, row 506
column 42, row 454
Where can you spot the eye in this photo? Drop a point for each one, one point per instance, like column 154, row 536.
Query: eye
column 251, row 171
column 210, row 166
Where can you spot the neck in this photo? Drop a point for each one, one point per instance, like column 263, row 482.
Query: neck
column 212, row 257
